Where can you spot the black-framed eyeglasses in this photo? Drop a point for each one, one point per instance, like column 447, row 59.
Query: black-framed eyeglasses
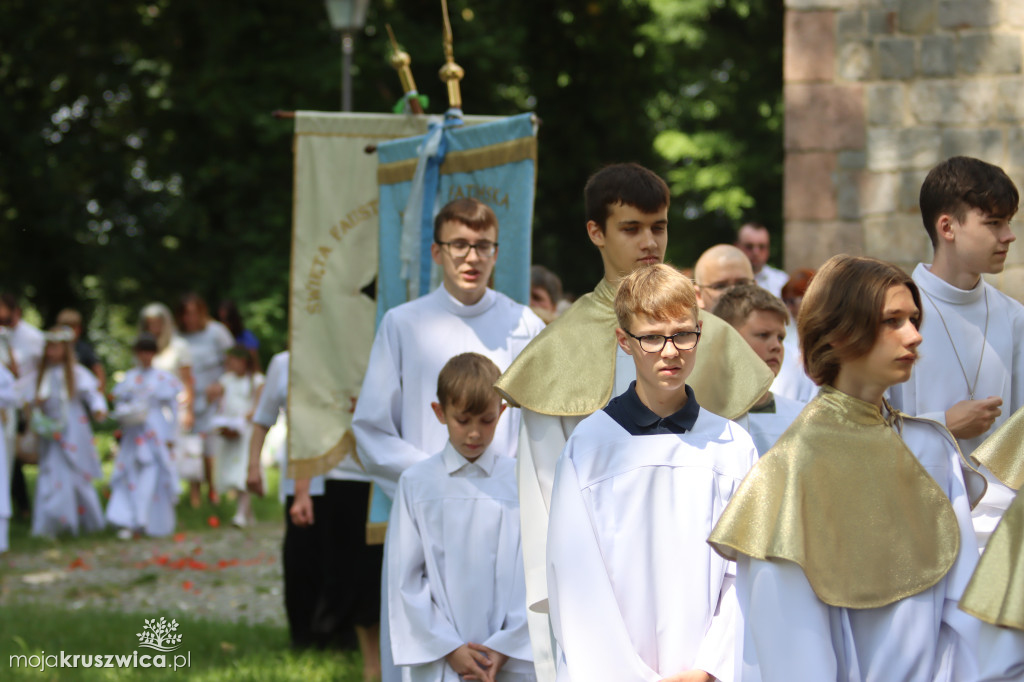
column 460, row 248
column 655, row 343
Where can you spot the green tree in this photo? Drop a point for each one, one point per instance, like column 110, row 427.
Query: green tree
column 141, row 158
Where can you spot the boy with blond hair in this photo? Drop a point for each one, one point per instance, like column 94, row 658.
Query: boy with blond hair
column 635, row 592
column 761, row 319
column 456, row 592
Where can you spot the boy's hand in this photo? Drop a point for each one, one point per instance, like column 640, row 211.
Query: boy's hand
column 470, row 663
column 971, row 418
column 690, row 676
column 498, row 659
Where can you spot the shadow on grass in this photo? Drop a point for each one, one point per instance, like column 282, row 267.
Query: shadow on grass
column 213, row 651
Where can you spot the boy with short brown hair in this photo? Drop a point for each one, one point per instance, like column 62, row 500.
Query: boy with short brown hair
column 971, row 373
column 761, row 320
column 456, row 592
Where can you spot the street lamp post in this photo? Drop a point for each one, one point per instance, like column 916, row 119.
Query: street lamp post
column 346, row 16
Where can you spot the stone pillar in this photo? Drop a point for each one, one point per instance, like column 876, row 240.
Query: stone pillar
column 879, row 91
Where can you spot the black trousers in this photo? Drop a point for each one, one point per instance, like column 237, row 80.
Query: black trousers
column 331, row 576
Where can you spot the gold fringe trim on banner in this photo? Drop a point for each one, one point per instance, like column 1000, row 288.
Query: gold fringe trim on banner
column 317, row 466
column 523, row 149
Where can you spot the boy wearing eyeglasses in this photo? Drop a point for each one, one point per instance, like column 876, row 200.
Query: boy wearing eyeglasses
column 634, row 590
column 393, row 423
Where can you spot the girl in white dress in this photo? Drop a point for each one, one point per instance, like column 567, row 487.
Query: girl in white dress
column 144, row 483
column 234, row 397
column 57, row 396
column 173, row 355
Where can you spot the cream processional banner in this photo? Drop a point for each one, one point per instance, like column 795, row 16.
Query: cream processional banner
column 333, row 264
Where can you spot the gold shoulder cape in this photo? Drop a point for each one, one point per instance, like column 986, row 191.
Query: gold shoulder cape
column 1003, row 452
column 843, row 497
column 996, row 591
column 569, row 369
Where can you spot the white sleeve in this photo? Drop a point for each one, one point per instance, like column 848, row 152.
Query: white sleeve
column 270, row 403
column 8, row 394
column 1001, row 654
column 513, row 639
column 786, row 632
column 717, row 652
column 88, row 389
column 420, row 631
column 377, row 421
column 585, row 615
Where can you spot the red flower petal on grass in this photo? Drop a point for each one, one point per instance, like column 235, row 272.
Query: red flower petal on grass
column 179, row 537
column 161, row 559
column 79, row 563
column 196, row 565
column 187, row 585
column 197, row 550
column 213, row 522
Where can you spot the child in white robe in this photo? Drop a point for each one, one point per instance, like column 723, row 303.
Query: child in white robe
column 144, row 482
column 457, row 595
column 635, row 593
column 762, row 320
column 391, row 423
column 57, row 395
column 235, row 394
column 852, row 536
column 971, row 374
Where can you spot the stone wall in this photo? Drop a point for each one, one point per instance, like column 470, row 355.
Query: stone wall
column 876, row 93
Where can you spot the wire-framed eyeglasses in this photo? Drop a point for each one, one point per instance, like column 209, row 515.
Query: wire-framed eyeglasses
column 655, row 343
column 460, row 248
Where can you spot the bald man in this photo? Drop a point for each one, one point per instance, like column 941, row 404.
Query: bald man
column 718, row 269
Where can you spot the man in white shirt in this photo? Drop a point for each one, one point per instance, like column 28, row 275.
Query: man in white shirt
column 393, row 424
column 971, row 373
column 717, row 270
column 753, row 240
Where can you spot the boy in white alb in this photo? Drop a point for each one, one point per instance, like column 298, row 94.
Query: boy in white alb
column 457, row 596
column 761, row 319
column 635, row 592
column 971, row 373
column 392, row 425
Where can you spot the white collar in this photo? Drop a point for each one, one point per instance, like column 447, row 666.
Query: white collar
column 943, row 290
column 454, row 462
column 457, row 307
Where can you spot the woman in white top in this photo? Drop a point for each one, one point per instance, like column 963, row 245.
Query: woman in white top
column 208, row 342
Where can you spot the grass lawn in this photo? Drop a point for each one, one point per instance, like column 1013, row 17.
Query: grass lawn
column 216, row 651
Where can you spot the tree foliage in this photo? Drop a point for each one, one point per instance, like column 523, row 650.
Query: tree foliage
column 141, row 159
